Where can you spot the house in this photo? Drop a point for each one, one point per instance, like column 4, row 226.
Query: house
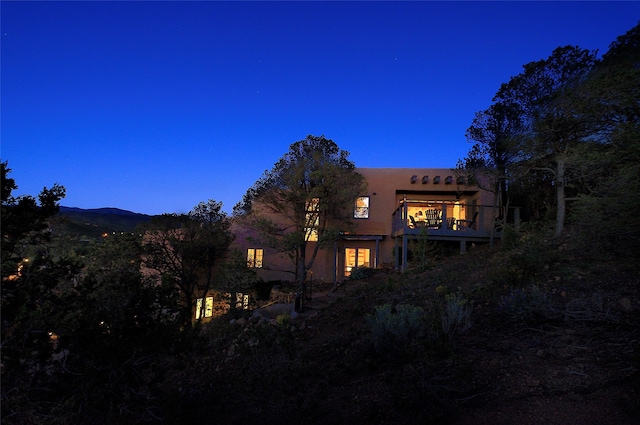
column 400, row 204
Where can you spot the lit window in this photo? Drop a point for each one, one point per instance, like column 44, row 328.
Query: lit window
column 208, row 307
column 254, row 257
column 362, row 207
column 356, row 257
column 242, row 301
column 312, row 219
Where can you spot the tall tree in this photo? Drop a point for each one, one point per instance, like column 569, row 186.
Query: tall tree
column 185, row 248
column 24, row 218
column 610, row 100
column 304, row 201
column 24, row 227
column 544, row 95
column 488, row 162
column 213, row 238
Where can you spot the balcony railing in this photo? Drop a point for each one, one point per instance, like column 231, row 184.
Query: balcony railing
column 449, row 220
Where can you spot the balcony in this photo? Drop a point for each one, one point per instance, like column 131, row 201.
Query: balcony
column 446, row 220
column 450, row 221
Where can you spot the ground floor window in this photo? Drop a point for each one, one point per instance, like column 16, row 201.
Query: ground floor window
column 208, row 307
column 241, row 301
column 356, row 257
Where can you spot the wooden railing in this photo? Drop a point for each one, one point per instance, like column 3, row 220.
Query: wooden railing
column 468, row 220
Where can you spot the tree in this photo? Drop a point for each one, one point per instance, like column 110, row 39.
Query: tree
column 304, row 201
column 184, row 249
column 80, row 346
column 24, row 219
column 24, row 224
column 610, row 100
column 213, row 236
column 80, row 336
column 30, row 293
column 488, row 162
column 121, row 298
column 544, row 94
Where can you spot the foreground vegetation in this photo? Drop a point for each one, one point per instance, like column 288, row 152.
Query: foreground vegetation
column 457, row 342
column 524, row 331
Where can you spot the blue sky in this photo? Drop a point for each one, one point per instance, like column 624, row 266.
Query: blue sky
column 153, row 107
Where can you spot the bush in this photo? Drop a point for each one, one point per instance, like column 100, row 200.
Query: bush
column 510, row 237
column 456, row 315
column 393, row 329
column 528, row 307
column 422, row 252
column 526, row 259
column 283, row 320
column 358, row 273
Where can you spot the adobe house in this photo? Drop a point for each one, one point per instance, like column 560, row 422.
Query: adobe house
column 400, row 204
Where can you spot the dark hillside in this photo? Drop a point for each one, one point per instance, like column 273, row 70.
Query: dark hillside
column 552, row 339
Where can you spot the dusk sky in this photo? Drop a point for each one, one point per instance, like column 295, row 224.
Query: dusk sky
column 153, row 107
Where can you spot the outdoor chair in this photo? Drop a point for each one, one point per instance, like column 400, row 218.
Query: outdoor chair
column 467, row 224
column 415, row 223
column 433, row 218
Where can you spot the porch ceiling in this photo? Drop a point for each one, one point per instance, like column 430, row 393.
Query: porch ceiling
column 355, row 237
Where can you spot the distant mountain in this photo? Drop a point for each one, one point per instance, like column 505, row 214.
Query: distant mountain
column 114, row 211
column 100, row 220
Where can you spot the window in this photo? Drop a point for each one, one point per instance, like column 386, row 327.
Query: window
column 312, row 219
column 362, row 207
column 208, row 307
column 242, row 301
column 254, row 257
column 356, row 257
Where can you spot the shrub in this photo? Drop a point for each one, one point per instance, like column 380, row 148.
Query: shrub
column 390, row 284
column 528, row 306
column 456, row 315
column 506, row 272
column 517, row 266
column 423, row 251
column 509, row 237
column 358, row 273
column 283, row 320
column 393, row 329
column 618, row 227
column 442, row 290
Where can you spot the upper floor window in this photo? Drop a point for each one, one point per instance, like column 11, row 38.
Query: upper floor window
column 254, row 257
column 362, row 207
column 312, row 219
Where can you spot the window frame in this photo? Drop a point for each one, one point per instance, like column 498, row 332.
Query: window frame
column 255, row 258
column 311, row 219
column 208, row 307
column 367, row 208
column 356, row 254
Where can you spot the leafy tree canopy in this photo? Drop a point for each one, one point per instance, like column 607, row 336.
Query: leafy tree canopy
column 308, row 194
column 24, row 217
column 550, row 133
column 567, row 129
column 186, row 248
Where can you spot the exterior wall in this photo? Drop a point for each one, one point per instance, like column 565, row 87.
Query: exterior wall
column 275, row 265
column 387, row 189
